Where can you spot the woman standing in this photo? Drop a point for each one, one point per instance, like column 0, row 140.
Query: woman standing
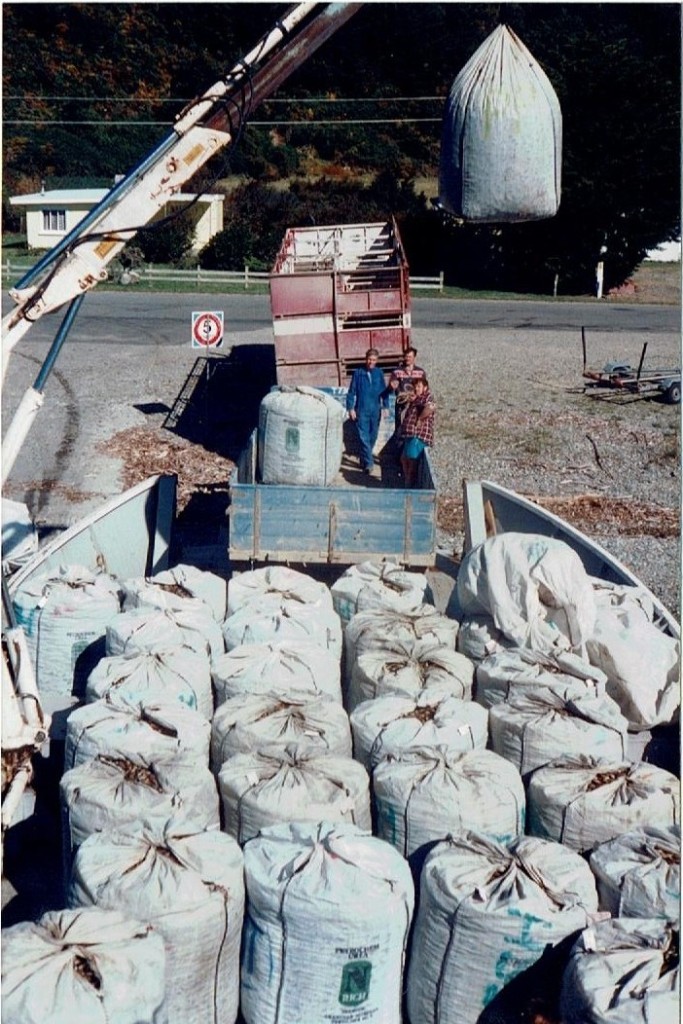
column 417, row 429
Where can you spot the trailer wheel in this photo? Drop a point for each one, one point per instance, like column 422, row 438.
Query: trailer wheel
column 673, row 393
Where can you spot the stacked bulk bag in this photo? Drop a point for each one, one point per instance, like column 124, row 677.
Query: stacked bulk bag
column 368, row 629
column 498, row 675
column 282, row 668
column 146, row 628
column 294, row 784
column 478, row 637
column 501, row 143
column 397, row 723
column 300, row 437
column 328, row 913
column 583, row 800
column 82, row 965
column 248, row 587
column 486, row 913
column 427, row 794
column 276, row 618
column 539, row 724
column 378, row 585
column 170, row 673
column 623, row 971
column 171, row 587
column 639, row 873
column 249, row 723
column 190, row 887
column 408, row 668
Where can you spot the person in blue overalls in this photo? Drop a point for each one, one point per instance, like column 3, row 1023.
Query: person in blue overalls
column 367, row 397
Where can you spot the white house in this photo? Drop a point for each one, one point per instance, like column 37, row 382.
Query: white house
column 51, row 214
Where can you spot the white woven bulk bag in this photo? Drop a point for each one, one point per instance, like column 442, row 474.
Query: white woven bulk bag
column 478, row 637
column 396, row 723
column 282, row 668
column 499, row 675
column 328, row 912
column 294, row 784
column 426, row 794
column 247, row 587
column 409, row 668
column 64, row 615
column 501, row 144
column 378, row 585
column 583, row 801
column 486, row 913
column 114, row 793
column 639, row 873
column 540, row 725
column 190, row 887
column 624, row 971
column 366, row 629
column 535, row 588
column 275, row 618
column 171, row 673
column 146, row 628
column 300, row 436
column 154, row 729
column 172, row 587
column 92, row 965
column 252, row 722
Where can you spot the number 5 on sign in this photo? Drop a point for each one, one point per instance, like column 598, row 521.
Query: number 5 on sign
column 207, row 329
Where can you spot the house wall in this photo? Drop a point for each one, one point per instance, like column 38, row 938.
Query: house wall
column 37, row 238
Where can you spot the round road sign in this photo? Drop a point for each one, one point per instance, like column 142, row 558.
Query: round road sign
column 207, row 329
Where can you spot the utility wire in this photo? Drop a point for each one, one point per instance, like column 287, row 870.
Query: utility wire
column 261, row 124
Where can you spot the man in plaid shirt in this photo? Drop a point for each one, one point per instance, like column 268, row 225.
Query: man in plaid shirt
column 402, row 380
column 417, row 429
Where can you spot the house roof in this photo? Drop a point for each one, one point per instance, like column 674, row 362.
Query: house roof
column 92, row 196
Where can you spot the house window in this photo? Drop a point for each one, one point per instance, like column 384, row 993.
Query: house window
column 54, row 220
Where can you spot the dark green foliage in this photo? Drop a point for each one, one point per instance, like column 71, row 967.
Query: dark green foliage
column 169, row 241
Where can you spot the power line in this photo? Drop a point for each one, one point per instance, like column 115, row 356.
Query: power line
column 255, row 124
column 190, row 99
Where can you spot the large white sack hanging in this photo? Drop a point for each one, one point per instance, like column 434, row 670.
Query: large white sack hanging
column 171, row 673
column 172, row 587
column 501, row 142
column 190, row 887
column 624, row 971
column 539, row 725
column 371, row 585
column 639, row 873
column 282, row 668
column 247, row 587
column 396, row 723
column 114, row 793
column 92, row 965
column 366, row 629
column 276, row 618
column 343, row 901
column 408, row 668
column 158, row 728
column 300, row 437
column 64, row 616
column 145, row 628
column 535, row 588
column 294, row 784
column 425, row 795
column 499, row 675
column 486, row 913
column 583, row 801
column 252, row 722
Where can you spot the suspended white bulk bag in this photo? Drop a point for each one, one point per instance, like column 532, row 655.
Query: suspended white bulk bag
column 191, row 890
column 64, row 615
column 367, row 629
column 172, row 587
column 247, row 587
column 583, row 801
column 92, row 965
column 155, row 729
column 424, row 795
column 294, row 784
column 171, row 673
column 110, row 794
column 499, row 675
column 397, row 723
column 639, row 873
column 146, row 628
column 486, row 913
column 328, row 912
column 300, row 437
column 501, row 143
column 624, row 971
column 409, row 668
column 252, row 722
column 19, row 535
column 379, row 585
column 539, row 725
column 276, row 668
column 535, row 588
column 275, row 618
